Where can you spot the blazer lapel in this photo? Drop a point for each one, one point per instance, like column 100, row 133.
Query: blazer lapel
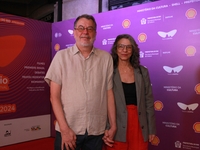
column 119, row 87
column 138, row 84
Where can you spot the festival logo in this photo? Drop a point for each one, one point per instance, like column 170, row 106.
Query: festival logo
column 190, row 51
column 4, row 81
column 158, row 105
column 8, row 108
column 142, row 37
column 191, row 13
column 126, row 23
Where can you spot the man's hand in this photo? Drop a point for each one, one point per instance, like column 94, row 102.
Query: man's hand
column 68, row 139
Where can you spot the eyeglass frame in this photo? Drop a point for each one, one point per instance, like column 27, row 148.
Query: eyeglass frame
column 89, row 29
column 130, row 48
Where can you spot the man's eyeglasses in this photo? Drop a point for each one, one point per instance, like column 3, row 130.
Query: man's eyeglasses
column 122, row 47
column 81, row 29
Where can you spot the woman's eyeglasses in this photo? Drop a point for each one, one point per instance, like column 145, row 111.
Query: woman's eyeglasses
column 122, row 47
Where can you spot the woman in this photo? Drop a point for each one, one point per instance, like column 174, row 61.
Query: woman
column 133, row 97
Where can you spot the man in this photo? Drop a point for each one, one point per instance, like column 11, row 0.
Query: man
column 80, row 79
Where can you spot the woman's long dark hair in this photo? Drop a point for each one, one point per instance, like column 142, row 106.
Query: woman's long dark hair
column 135, row 57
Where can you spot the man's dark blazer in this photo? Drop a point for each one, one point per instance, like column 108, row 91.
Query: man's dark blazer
column 145, row 104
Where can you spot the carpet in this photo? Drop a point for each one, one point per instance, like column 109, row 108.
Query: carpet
column 40, row 144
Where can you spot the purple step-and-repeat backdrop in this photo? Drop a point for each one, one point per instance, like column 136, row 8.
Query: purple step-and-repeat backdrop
column 25, row 55
column 168, row 34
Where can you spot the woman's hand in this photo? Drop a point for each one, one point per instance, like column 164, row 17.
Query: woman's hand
column 151, row 137
column 108, row 138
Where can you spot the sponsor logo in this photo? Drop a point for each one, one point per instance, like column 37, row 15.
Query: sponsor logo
column 57, row 35
column 141, row 54
column 107, row 26
column 191, row 13
column 169, row 34
column 171, row 124
column 126, row 23
column 196, row 127
column 143, row 21
column 142, row 37
column 35, row 128
column 150, row 53
column 155, row 141
column 195, row 31
column 172, row 88
column 186, row 145
column 173, row 70
column 189, row 107
column 158, row 105
column 177, row 144
column 108, row 41
column 70, row 32
column 7, row 133
column 104, row 42
column 190, row 51
column 57, row 47
column 197, row 88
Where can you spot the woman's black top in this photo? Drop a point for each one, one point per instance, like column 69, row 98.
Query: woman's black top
column 130, row 93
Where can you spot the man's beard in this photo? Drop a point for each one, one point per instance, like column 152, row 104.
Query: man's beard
column 87, row 44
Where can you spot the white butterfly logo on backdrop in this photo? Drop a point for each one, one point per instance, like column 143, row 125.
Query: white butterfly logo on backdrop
column 167, row 34
column 70, row 32
column 190, row 107
column 176, row 69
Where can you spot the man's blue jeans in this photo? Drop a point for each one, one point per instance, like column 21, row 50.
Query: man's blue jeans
column 83, row 142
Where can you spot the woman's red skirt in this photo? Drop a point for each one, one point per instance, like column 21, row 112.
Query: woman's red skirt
column 134, row 138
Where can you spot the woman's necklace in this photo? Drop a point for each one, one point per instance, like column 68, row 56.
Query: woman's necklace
column 127, row 69
column 126, row 74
